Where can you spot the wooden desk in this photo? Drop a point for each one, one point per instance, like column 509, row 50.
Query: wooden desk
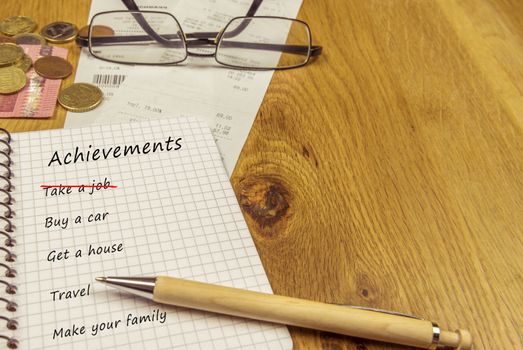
column 389, row 173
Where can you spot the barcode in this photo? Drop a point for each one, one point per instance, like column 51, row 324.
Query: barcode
column 110, row 80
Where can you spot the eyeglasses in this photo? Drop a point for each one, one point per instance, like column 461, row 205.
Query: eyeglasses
column 156, row 38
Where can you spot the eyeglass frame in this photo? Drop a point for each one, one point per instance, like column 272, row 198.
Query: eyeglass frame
column 210, row 38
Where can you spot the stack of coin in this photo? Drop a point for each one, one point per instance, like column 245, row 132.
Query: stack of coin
column 20, row 28
column 13, row 65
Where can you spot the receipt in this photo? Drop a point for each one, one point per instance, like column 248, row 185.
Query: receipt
column 228, row 100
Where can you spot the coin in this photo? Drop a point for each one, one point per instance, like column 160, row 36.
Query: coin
column 9, row 54
column 17, row 25
column 59, row 32
column 80, row 97
column 97, row 31
column 6, row 39
column 24, row 63
column 12, row 80
column 29, row 39
column 52, row 67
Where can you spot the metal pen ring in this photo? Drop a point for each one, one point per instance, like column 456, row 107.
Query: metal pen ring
column 10, row 150
column 11, row 323
column 9, row 184
column 7, row 133
column 8, row 173
column 10, row 272
column 12, row 343
column 9, row 213
column 9, row 255
column 9, row 241
column 9, row 227
column 9, row 162
column 8, row 195
column 9, row 288
column 436, row 332
column 9, row 305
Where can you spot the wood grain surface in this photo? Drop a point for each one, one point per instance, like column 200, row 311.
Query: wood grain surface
column 389, row 172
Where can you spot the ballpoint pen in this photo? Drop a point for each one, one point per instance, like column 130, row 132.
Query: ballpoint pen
column 358, row 322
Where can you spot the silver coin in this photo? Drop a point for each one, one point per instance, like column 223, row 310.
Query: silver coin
column 29, row 39
column 59, row 32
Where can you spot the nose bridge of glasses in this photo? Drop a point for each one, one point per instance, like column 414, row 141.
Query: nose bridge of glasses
column 201, row 40
column 201, row 43
column 201, row 35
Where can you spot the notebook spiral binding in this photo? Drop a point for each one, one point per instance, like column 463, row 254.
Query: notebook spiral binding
column 7, row 231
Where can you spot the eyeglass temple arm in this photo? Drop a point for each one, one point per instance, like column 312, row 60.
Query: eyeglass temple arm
column 167, row 39
column 296, row 49
column 202, row 42
column 315, row 50
column 131, row 5
column 251, row 12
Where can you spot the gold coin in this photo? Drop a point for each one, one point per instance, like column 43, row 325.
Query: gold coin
column 12, row 80
column 29, row 39
column 24, row 63
column 9, row 54
column 17, row 25
column 59, row 32
column 80, row 97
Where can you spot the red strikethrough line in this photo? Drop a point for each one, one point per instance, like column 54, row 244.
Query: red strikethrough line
column 76, row 186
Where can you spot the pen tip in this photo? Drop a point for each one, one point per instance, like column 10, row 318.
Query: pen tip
column 100, row 279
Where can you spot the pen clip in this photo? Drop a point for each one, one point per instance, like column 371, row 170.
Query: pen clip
column 383, row 311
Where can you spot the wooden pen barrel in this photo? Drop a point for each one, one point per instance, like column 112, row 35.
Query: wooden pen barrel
column 305, row 313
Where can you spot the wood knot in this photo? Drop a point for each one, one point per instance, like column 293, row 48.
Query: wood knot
column 331, row 341
column 265, row 200
column 366, row 289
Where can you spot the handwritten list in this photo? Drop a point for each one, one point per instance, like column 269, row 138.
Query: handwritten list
column 130, row 200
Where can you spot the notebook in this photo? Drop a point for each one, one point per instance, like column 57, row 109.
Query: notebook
column 131, row 200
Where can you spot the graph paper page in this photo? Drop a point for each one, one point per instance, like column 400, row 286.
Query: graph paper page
column 168, row 212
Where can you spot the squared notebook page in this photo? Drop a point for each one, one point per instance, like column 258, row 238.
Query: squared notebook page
column 175, row 214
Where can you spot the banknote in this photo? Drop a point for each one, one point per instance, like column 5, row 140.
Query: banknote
column 38, row 98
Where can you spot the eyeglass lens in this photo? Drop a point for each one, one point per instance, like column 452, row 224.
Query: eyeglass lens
column 264, row 43
column 139, row 37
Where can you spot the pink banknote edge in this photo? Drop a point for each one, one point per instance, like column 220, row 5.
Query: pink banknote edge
column 38, row 98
